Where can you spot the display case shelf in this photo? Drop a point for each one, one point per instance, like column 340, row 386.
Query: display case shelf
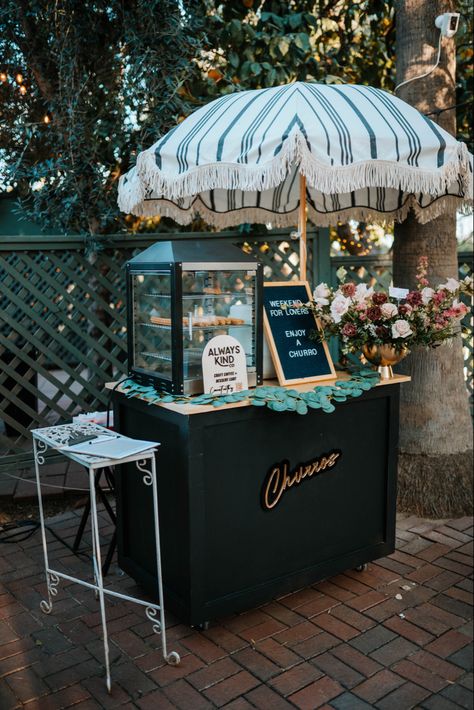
column 198, row 327
column 191, row 296
column 191, row 357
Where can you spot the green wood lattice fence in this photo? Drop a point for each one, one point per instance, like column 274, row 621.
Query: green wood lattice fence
column 63, row 319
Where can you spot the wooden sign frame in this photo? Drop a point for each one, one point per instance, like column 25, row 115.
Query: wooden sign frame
column 282, row 380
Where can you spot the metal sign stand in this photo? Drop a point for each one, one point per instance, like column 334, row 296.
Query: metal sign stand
column 55, row 438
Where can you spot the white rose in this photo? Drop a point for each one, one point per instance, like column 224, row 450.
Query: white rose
column 401, row 329
column 321, row 294
column 362, row 293
column 341, row 273
column 389, row 310
column 427, row 294
column 321, row 291
column 339, row 306
column 450, row 285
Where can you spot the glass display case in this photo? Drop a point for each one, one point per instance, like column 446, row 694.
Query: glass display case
column 180, row 295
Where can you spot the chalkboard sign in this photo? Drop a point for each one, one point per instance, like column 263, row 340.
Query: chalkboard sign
column 297, row 358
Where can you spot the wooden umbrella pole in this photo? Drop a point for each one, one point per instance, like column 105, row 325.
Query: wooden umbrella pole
column 302, row 227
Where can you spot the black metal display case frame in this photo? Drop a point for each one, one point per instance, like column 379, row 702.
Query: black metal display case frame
column 170, row 258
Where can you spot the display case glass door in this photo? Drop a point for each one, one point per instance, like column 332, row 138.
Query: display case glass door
column 152, row 323
column 217, row 303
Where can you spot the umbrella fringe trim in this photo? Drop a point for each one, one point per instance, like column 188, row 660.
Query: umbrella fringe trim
column 254, row 215
column 327, row 179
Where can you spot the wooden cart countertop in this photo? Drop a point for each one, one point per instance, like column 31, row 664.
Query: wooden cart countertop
column 188, row 409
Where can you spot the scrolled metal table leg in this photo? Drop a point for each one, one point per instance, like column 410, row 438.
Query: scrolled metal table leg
column 149, row 479
column 52, row 580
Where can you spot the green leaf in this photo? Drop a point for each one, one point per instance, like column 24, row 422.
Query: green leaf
column 283, row 46
column 302, row 41
column 295, row 20
column 234, row 59
column 280, row 406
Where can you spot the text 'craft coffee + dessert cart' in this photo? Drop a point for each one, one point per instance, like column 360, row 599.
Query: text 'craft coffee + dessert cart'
column 254, row 502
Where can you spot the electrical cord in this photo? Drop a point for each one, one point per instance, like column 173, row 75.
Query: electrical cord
column 42, row 484
column 422, row 76
column 109, row 402
column 19, row 532
column 437, row 111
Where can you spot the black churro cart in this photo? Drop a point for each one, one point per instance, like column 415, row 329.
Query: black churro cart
column 254, row 503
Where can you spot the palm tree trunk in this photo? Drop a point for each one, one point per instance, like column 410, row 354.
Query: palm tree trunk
column 435, row 462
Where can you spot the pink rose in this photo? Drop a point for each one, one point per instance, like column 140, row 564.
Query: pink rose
column 339, row 307
column 401, row 329
column 389, row 310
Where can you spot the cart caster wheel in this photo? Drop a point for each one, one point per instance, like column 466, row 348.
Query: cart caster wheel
column 173, row 659
column 201, row 627
column 362, row 568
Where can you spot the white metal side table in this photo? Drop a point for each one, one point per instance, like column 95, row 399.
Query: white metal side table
column 57, row 437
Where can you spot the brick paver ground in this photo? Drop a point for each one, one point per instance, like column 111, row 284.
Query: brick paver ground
column 398, row 636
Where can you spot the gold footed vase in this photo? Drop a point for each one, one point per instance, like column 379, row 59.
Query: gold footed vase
column 384, row 357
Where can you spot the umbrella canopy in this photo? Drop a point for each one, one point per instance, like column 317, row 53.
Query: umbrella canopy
column 365, row 155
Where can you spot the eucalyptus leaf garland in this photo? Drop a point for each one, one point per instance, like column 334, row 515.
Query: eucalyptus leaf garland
column 278, row 399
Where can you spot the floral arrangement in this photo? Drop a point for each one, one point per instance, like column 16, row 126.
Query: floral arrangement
column 361, row 316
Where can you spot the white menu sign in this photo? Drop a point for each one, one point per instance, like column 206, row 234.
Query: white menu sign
column 399, row 293
column 224, row 366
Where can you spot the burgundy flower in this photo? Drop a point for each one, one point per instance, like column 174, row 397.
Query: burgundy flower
column 439, row 297
column 382, row 331
column 348, row 289
column 349, row 330
column 374, row 313
column 379, row 298
column 414, row 298
column 404, row 310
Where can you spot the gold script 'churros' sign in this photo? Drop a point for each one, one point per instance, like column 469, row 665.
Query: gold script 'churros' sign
column 280, row 478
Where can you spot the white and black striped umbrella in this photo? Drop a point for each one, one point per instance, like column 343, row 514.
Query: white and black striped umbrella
column 365, row 155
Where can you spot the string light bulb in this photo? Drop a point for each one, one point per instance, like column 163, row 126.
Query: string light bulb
column 19, row 78
column 46, row 119
column 22, row 90
column 3, row 76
